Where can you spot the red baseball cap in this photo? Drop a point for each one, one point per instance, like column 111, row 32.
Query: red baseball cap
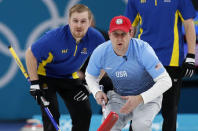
column 120, row 23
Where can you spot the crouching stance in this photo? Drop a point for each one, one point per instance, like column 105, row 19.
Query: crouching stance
column 138, row 77
column 53, row 62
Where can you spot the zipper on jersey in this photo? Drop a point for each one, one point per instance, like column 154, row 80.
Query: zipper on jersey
column 77, row 42
column 155, row 2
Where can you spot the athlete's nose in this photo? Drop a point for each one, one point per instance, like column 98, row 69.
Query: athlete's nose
column 79, row 24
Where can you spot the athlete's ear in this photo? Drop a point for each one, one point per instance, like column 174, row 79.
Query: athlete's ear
column 109, row 33
column 131, row 32
column 69, row 19
column 90, row 23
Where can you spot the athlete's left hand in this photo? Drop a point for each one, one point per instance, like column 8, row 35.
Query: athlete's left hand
column 131, row 104
column 188, row 66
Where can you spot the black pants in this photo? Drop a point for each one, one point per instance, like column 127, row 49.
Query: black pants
column 80, row 111
column 171, row 99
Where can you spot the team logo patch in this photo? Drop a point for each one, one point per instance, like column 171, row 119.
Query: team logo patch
column 84, row 51
column 64, row 51
column 142, row 1
column 168, row 1
column 119, row 21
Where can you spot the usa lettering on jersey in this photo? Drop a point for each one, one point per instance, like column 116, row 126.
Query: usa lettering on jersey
column 121, row 74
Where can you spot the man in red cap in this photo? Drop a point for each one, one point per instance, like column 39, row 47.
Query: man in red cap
column 139, row 79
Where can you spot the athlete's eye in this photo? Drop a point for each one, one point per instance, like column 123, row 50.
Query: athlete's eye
column 75, row 21
column 115, row 34
column 119, row 34
column 83, row 21
column 123, row 34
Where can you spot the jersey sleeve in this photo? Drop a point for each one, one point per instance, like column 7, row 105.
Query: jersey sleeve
column 131, row 12
column 186, row 9
column 41, row 47
column 98, row 39
column 151, row 62
column 95, row 62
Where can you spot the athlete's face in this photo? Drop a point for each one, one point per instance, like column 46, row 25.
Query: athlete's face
column 79, row 24
column 120, row 41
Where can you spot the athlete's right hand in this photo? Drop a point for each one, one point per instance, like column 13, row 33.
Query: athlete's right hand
column 101, row 98
column 36, row 92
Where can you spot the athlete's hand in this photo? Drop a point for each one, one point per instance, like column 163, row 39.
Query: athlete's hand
column 36, row 92
column 131, row 103
column 101, row 98
column 188, row 65
column 81, row 94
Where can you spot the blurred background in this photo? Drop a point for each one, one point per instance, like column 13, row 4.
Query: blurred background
column 23, row 21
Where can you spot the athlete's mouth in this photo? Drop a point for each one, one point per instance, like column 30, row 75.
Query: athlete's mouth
column 79, row 30
column 119, row 44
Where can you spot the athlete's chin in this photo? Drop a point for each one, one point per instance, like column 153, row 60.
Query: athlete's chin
column 79, row 35
column 119, row 48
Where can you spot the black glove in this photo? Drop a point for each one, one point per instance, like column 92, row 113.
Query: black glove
column 81, row 94
column 107, row 83
column 36, row 92
column 188, row 66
